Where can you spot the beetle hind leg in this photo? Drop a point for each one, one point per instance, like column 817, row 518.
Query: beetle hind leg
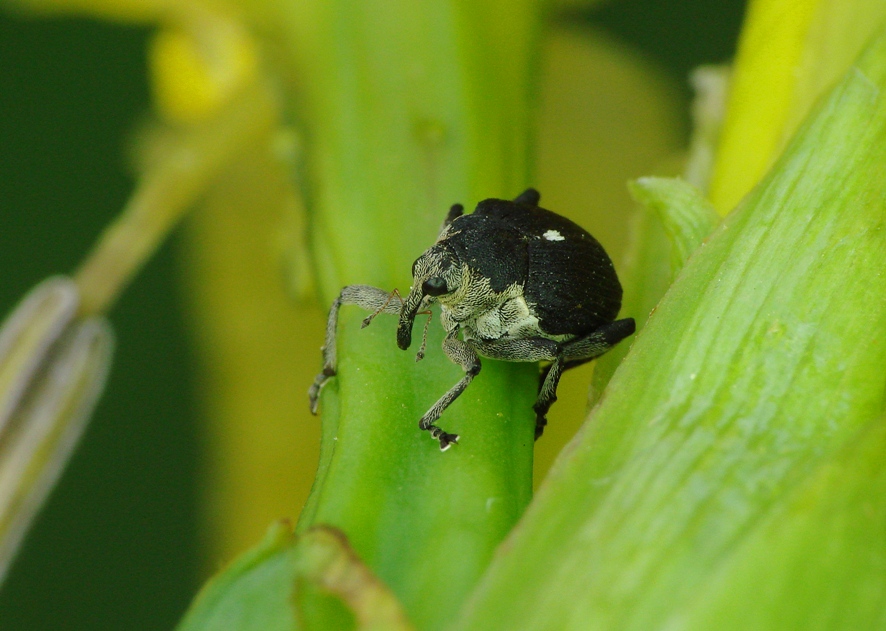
column 572, row 354
column 547, row 394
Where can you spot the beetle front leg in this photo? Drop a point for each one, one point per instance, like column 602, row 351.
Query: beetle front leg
column 370, row 298
column 463, row 355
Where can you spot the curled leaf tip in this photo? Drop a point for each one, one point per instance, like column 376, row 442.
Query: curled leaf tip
column 274, row 585
column 330, row 562
column 687, row 217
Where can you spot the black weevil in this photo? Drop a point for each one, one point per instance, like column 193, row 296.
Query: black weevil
column 520, row 282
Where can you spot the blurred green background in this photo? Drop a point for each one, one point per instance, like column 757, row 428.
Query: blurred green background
column 117, row 546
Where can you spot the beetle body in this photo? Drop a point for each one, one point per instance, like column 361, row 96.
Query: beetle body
column 518, row 283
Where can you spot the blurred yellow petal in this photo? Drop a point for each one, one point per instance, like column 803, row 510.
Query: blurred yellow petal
column 606, row 116
column 177, row 168
column 790, row 52
column 198, row 64
column 259, row 350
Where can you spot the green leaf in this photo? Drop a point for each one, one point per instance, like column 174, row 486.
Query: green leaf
column 427, row 522
column 765, row 355
column 818, row 560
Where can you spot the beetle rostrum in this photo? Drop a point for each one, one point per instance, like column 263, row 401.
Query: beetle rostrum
column 514, row 282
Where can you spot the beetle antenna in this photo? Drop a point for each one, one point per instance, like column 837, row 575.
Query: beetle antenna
column 368, row 319
column 424, row 336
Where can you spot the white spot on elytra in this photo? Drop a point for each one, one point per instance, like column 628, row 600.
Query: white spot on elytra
column 553, row 235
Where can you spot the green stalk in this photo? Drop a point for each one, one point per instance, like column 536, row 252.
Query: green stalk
column 408, row 108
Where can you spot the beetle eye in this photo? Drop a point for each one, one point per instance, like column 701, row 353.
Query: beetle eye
column 435, row 286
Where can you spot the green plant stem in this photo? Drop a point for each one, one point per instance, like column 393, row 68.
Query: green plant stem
column 408, row 108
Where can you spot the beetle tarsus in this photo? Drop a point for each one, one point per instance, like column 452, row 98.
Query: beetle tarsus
column 446, row 440
column 317, row 386
column 541, row 420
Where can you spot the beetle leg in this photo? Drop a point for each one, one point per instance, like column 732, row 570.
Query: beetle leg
column 465, row 356
column 572, row 354
column 533, row 349
column 529, row 349
column 547, row 394
column 366, row 296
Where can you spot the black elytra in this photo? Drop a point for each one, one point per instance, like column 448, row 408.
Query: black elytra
column 514, row 282
column 567, row 277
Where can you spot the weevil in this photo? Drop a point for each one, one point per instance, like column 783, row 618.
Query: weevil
column 520, row 283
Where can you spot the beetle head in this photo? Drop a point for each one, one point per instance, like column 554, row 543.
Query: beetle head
column 435, row 273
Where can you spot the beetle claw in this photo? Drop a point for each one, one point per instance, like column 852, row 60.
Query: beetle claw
column 447, row 440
